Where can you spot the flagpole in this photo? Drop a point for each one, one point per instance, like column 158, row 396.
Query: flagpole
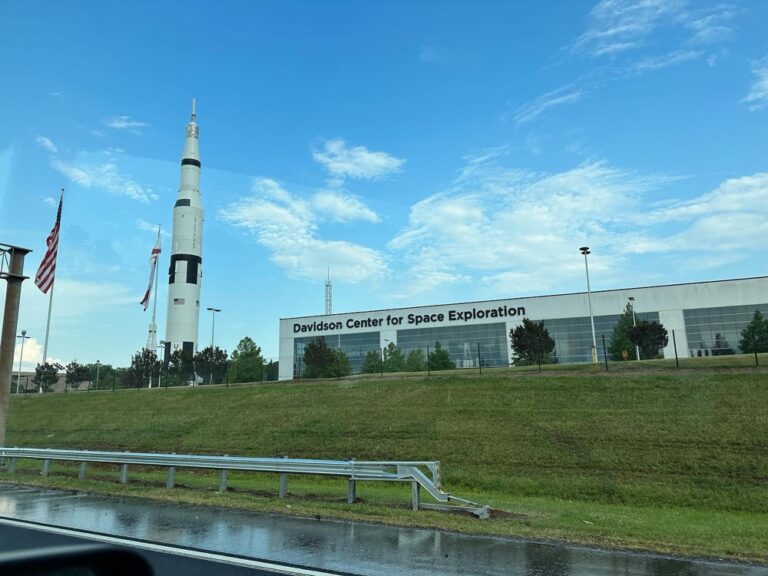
column 47, row 330
column 152, row 343
column 55, row 230
column 154, row 304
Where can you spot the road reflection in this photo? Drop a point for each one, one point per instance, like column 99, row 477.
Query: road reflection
column 344, row 546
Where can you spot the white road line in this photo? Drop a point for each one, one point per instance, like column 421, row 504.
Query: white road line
column 167, row 549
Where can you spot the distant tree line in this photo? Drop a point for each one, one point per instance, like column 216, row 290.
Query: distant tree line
column 392, row 359
column 211, row 365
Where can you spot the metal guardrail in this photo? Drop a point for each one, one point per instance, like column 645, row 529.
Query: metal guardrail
column 420, row 474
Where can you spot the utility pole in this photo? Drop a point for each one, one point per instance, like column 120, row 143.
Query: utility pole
column 12, row 271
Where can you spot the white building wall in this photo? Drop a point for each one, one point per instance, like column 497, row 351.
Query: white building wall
column 669, row 301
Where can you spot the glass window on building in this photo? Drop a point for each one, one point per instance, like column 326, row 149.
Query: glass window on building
column 355, row 346
column 573, row 336
column 466, row 345
column 717, row 331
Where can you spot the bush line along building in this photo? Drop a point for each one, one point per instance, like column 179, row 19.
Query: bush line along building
column 699, row 313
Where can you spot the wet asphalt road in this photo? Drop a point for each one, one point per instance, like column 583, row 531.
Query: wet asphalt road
column 339, row 546
column 14, row 539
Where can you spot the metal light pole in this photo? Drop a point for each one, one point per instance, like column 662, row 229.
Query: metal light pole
column 213, row 332
column 161, row 346
column 23, row 337
column 585, row 250
column 213, row 322
column 634, row 323
column 382, row 357
column 98, row 370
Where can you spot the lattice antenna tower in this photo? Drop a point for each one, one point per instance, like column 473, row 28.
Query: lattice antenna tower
column 328, row 295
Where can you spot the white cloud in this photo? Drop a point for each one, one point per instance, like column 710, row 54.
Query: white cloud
column 637, row 37
column 617, row 26
column 288, row 227
column 622, row 26
column 47, row 144
column 33, row 355
column 100, row 171
column 758, row 94
column 145, row 226
column 355, row 162
column 515, row 231
column 77, row 303
column 563, row 95
column 494, row 220
column 124, row 123
column 663, row 61
column 340, row 207
column 710, row 24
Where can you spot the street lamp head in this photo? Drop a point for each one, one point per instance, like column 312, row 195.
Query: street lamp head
column 23, row 333
column 214, row 309
column 585, row 250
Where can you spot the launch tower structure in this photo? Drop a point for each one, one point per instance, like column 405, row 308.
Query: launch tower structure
column 185, row 272
column 328, row 295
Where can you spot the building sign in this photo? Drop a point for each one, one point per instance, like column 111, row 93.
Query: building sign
column 412, row 319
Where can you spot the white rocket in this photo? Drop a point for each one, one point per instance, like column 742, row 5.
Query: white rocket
column 185, row 272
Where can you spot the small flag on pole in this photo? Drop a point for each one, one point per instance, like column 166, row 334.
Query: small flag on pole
column 47, row 270
column 152, row 265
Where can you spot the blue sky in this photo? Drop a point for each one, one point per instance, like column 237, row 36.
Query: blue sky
column 424, row 152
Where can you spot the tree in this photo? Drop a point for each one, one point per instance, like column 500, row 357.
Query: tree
column 416, row 361
column 621, row 347
column 101, row 376
column 394, row 361
column 341, row 366
column 318, row 359
column 211, row 364
column 372, row 363
column 46, row 376
column 439, row 359
column 722, row 347
column 144, row 365
column 76, row 374
column 247, row 362
column 180, row 368
column 754, row 336
column 126, row 378
column 531, row 344
column 650, row 337
column 272, row 371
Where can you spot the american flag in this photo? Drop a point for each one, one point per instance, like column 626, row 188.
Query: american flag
column 152, row 265
column 47, row 269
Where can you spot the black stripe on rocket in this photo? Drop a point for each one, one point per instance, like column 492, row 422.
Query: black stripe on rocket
column 193, row 262
column 190, row 161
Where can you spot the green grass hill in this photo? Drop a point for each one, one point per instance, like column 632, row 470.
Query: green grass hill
column 663, row 460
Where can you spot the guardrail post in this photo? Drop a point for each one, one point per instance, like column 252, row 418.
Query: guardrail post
column 11, row 465
column 124, row 474
column 283, row 491
column 46, row 465
column 415, row 495
column 351, row 491
column 223, row 479
column 81, row 472
column 170, row 480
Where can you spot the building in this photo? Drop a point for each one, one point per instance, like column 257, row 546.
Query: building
column 695, row 314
